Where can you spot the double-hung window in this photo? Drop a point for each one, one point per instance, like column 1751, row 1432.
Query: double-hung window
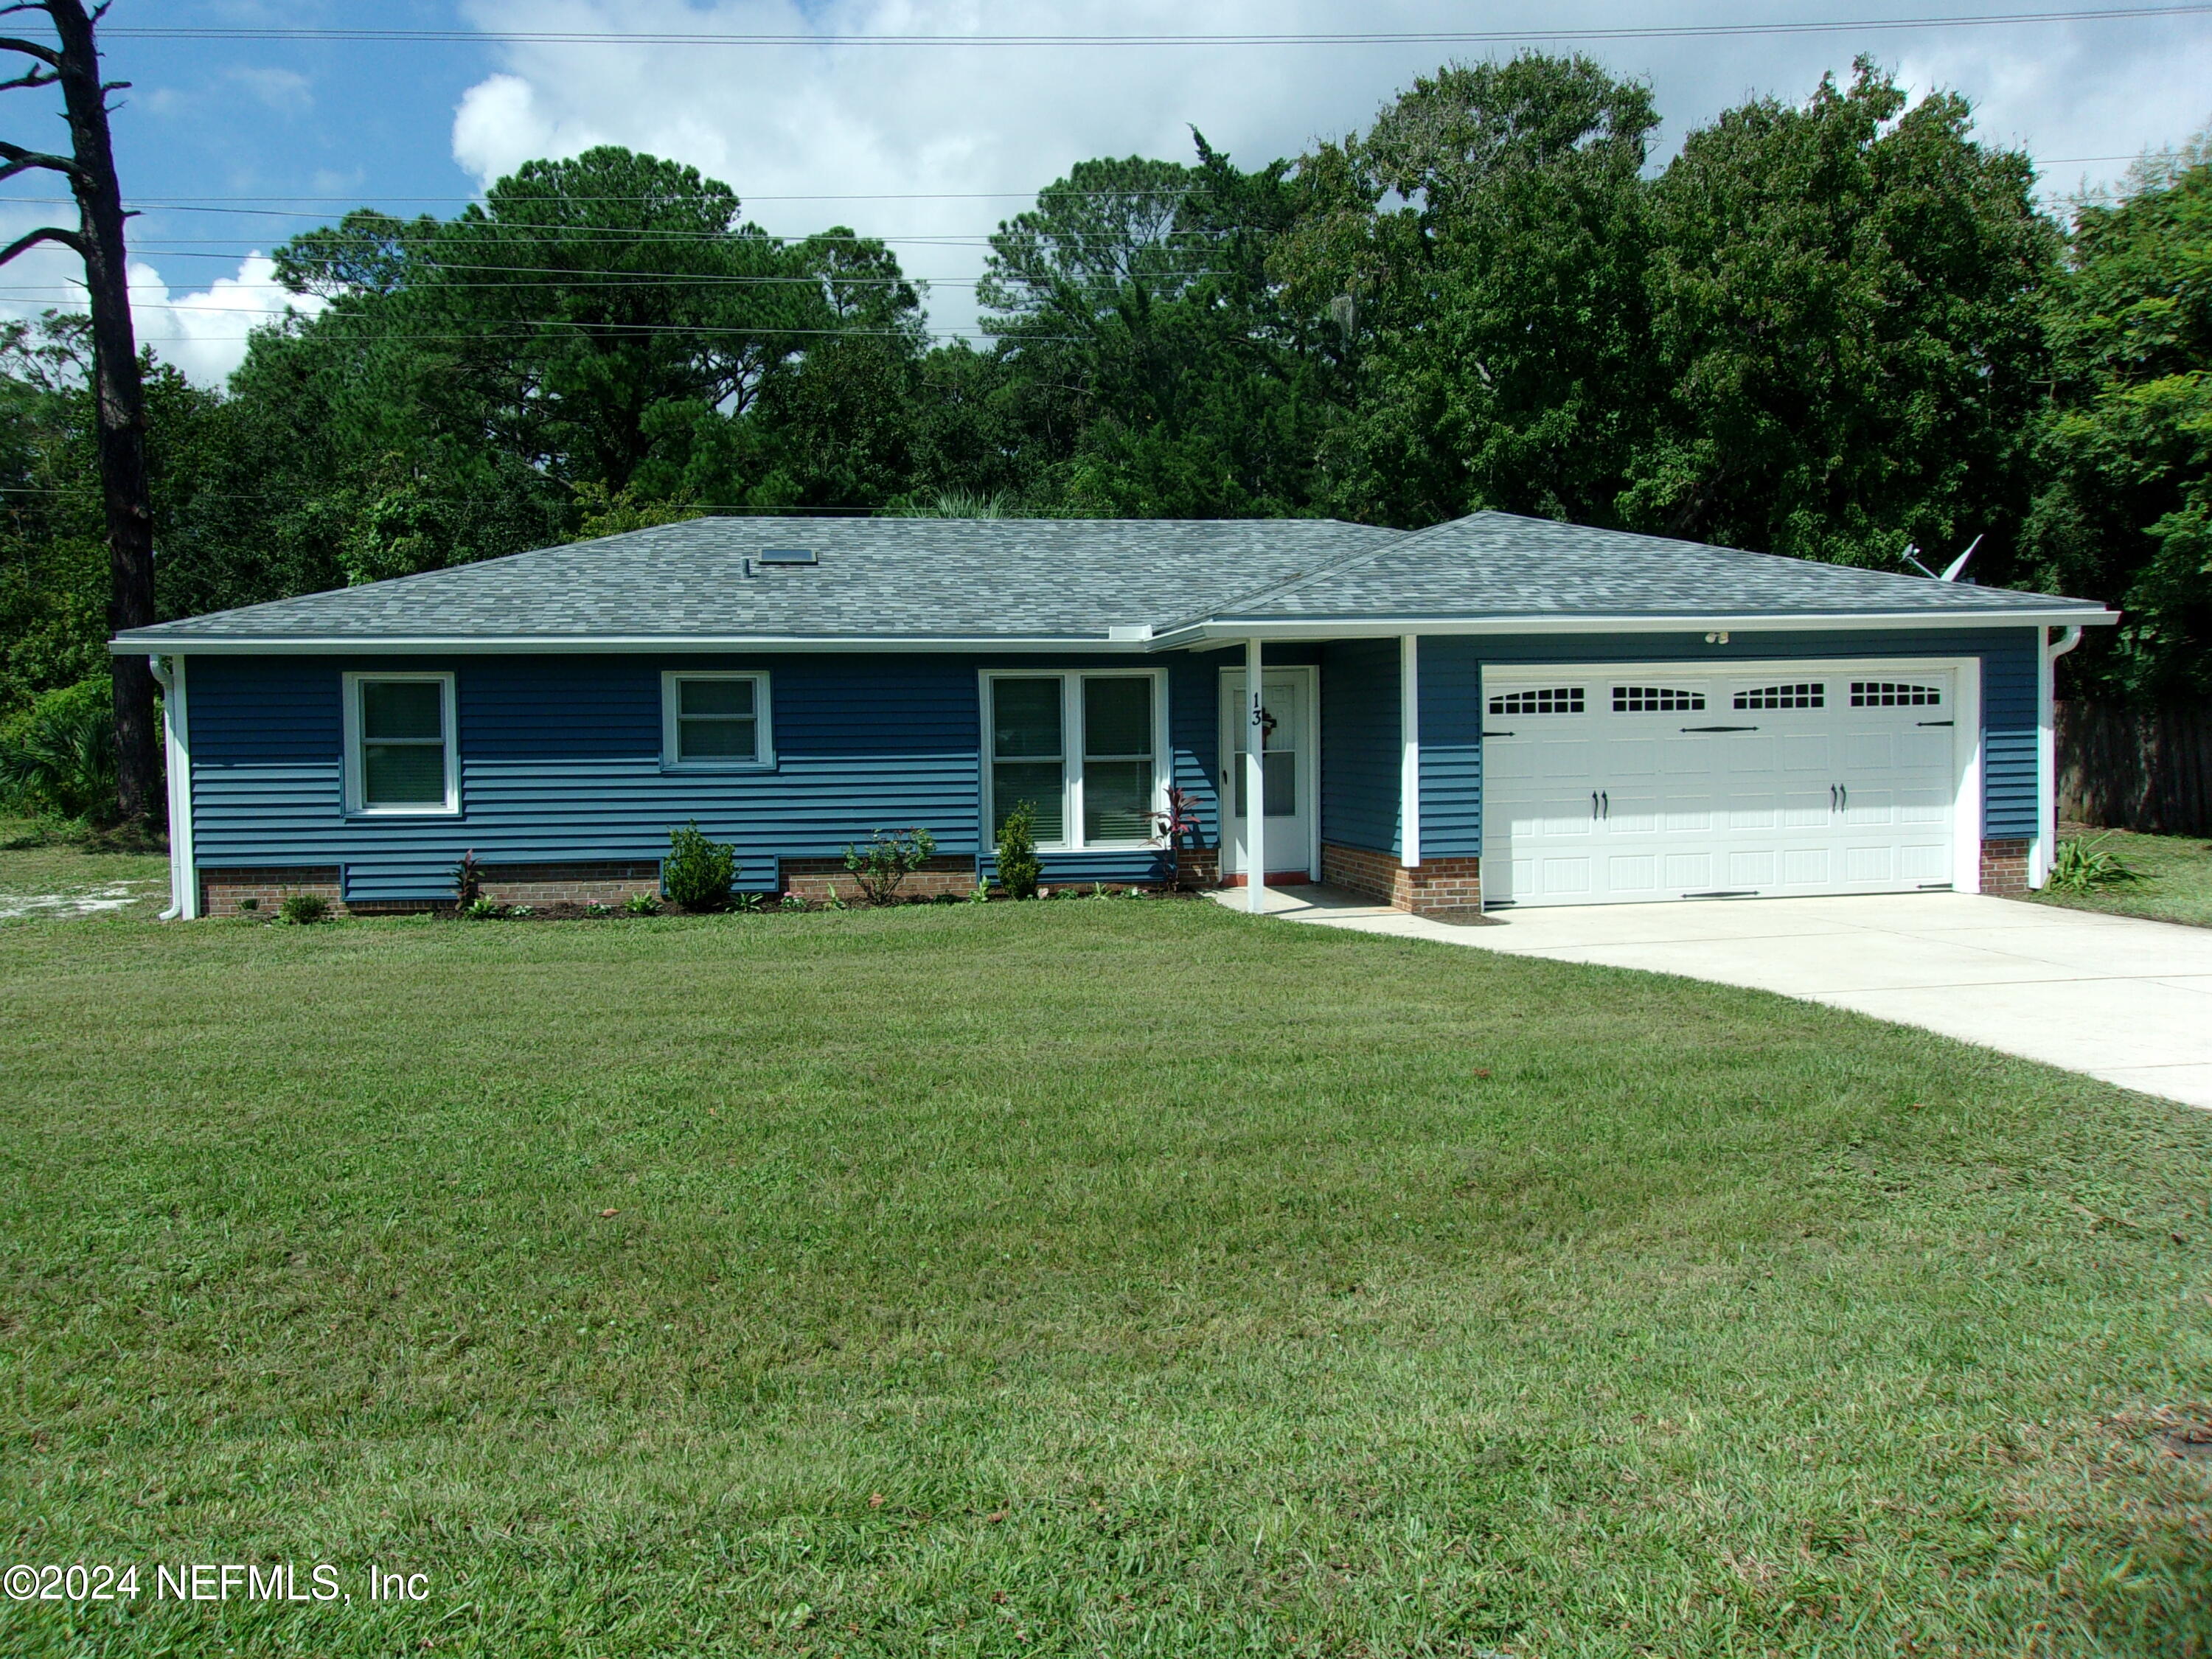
column 714, row 722
column 1086, row 750
column 399, row 749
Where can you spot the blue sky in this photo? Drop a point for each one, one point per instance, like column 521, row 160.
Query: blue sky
column 930, row 146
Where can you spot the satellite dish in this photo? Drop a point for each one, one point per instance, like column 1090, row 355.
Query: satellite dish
column 1951, row 571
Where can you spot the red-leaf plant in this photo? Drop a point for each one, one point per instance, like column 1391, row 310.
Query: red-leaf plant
column 1177, row 819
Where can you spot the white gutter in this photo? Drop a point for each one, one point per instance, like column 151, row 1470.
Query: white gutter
column 176, row 724
column 1353, row 627
column 1117, row 640
column 2045, row 848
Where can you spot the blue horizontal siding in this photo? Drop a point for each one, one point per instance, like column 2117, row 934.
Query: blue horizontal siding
column 1359, row 722
column 2008, row 711
column 560, row 761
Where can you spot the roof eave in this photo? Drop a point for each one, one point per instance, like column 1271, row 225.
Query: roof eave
column 1339, row 628
column 137, row 641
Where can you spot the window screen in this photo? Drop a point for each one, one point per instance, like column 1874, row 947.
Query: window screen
column 1028, row 762
column 403, row 742
column 1117, row 760
column 717, row 720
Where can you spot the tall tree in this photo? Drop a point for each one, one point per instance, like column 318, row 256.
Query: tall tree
column 118, row 395
column 1844, row 300
column 2124, row 511
column 1483, row 245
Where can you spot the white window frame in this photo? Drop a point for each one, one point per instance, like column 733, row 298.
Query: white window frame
column 764, row 754
column 1071, row 742
column 356, row 805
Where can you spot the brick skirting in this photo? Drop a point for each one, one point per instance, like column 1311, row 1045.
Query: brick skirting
column 220, row 890
column 817, row 878
column 1434, row 887
column 2004, row 867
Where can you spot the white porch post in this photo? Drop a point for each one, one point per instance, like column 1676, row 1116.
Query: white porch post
column 1409, row 751
column 1255, row 785
column 184, row 877
column 2045, row 848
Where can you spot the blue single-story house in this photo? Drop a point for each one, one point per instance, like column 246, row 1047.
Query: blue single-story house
column 1497, row 711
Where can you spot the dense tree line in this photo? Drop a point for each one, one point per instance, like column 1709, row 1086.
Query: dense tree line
column 1834, row 329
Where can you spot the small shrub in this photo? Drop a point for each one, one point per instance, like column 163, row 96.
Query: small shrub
column 520, row 910
column 304, row 909
column 887, row 860
column 468, row 881
column 750, row 903
column 595, row 908
column 249, row 904
column 981, row 895
column 698, row 872
column 640, row 904
column 481, row 908
column 792, row 901
column 1018, row 867
column 2083, row 865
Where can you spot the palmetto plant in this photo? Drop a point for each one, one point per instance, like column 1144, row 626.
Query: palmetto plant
column 62, row 759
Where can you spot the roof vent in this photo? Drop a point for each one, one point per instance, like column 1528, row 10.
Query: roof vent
column 789, row 556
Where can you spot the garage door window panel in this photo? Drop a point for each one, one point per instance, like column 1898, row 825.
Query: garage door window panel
column 1797, row 695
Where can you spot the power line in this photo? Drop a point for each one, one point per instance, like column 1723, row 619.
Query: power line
column 1346, row 37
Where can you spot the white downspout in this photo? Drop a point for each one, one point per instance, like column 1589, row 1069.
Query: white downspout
column 176, row 725
column 2045, row 845
column 1255, row 783
column 1409, row 751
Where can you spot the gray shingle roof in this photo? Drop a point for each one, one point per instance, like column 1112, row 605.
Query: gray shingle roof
column 892, row 578
column 1068, row 580
column 1499, row 564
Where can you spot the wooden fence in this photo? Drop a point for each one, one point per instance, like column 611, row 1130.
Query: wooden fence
column 2128, row 769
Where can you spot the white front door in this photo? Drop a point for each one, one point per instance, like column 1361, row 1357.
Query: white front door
column 1291, row 755
column 1613, row 783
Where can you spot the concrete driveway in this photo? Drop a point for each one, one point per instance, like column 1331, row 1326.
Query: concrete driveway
column 2127, row 1001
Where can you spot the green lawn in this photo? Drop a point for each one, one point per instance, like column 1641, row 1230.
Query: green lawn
column 1119, row 1278
column 39, row 876
column 2176, row 884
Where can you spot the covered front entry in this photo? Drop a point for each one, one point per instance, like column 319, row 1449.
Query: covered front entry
column 1292, row 757
column 1617, row 782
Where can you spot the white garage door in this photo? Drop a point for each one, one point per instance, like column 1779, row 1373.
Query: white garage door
column 1607, row 785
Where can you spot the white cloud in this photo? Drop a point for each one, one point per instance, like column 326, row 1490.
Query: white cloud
column 200, row 331
column 283, row 90
column 893, row 121
column 203, row 333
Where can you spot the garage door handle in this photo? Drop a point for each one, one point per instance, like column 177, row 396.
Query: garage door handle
column 1605, row 806
column 1507, row 734
column 1593, row 803
column 1720, row 728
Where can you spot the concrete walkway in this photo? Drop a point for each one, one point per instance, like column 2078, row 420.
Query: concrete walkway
column 2124, row 1001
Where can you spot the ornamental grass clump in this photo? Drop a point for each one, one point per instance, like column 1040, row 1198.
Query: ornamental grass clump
column 883, row 866
column 2083, row 865
column 698, row 872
